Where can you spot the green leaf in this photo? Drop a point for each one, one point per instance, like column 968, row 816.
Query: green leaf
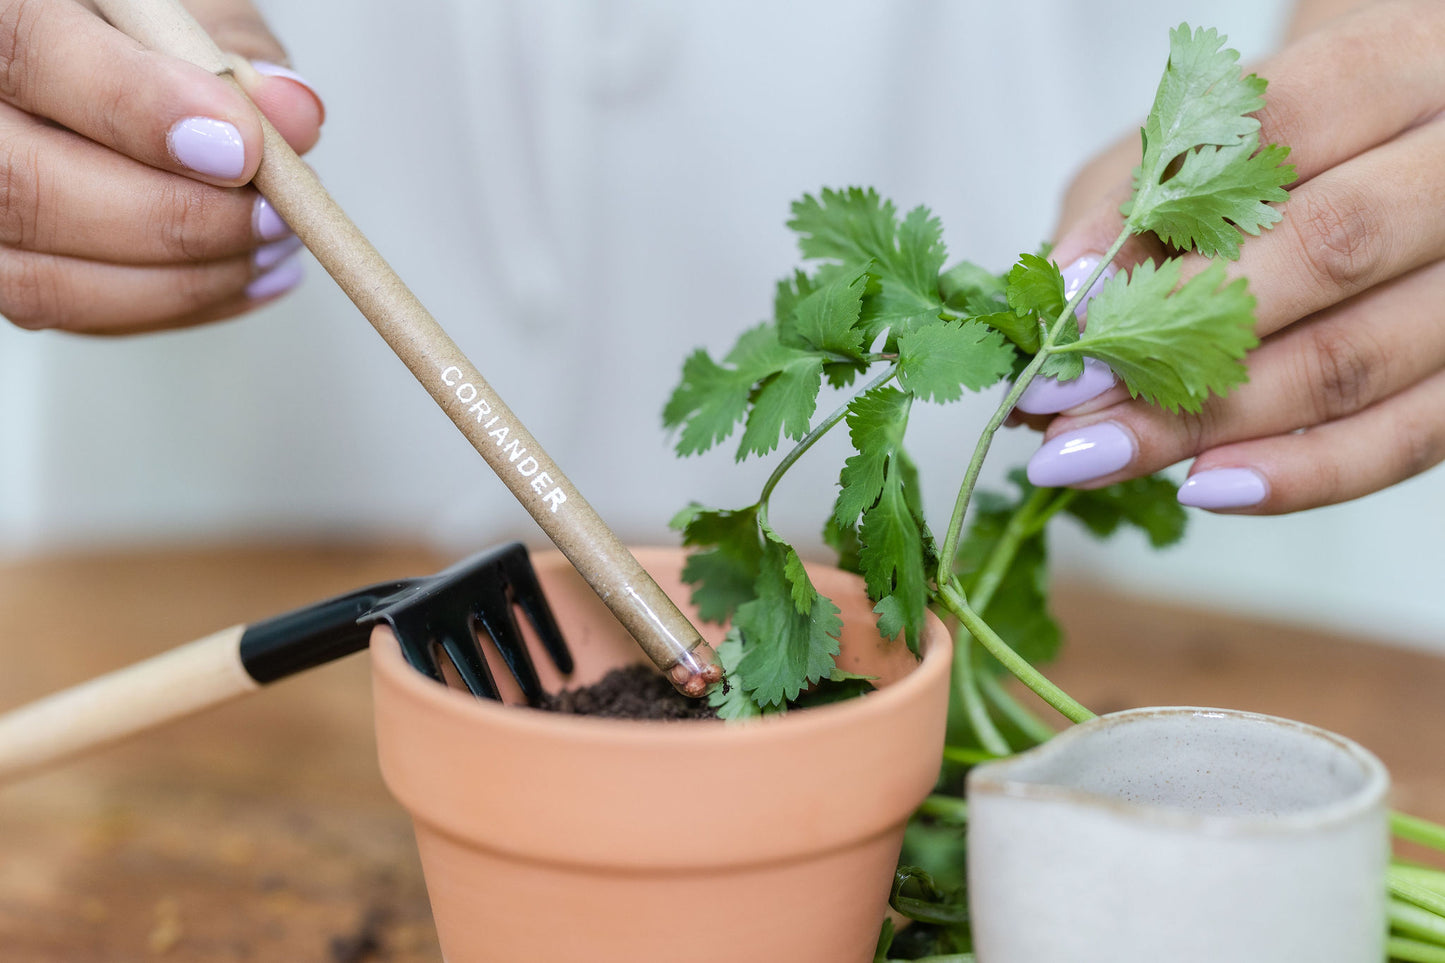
column 730, row 699
column 707, row 404
column 892, row 559
column 784, row 649
column 970, row 289
column 856, row 226
column 1149, row 504
column 1022, row 331
column 843, row 539
column 1064, row 366
column 938, row 361
column 785, row 403
column 1035, row 287
column 1199, row 178
column 824, row 320
column 1172, row 348
column 876, row 423
column 724, row 576
column 1217, row 193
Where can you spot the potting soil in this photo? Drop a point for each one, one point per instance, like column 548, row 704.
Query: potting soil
column 631, row 692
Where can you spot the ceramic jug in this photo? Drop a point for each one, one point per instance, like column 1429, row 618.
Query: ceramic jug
column 1181, row 834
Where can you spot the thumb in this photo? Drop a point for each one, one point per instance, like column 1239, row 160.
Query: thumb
column 287, row 99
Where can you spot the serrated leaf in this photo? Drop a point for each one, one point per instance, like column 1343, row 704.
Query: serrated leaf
column 1217, row 193
column 1201, row 125
column 938, row 361
column 973, row 290
column 1064, row 366
column 1149, row 504
column 1172, row 349
column 876, row 423
column 892, row 559
column 790, row 291
column 784, row 650
column 724, row 576
column 1022, row 331
column 730, row 699
column 824, row 320
column 707, row 404
column 1035, row 287
column 785, row 403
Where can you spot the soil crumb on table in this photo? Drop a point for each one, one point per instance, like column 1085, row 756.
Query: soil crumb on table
column 631, row 692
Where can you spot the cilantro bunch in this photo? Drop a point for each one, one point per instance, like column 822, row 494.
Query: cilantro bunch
column 879, row 316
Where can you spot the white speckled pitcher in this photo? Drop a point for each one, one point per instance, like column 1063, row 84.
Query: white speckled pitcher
column 1183, row 835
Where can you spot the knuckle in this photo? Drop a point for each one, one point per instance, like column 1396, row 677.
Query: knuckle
column 1345, row 370
column 1420, row 443
column 179, row 214
column 1341, row 237
column 31, row 292
column 19, row 192
column 18, row 22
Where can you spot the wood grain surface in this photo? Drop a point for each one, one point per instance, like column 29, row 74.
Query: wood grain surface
column 262, row 831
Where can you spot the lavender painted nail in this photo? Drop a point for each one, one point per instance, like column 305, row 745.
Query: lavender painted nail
column 1081, row 455
column 266, row 223
column 210, row 147
column 280, row 279
column 1224, row 488
column 269, row 255
column 1045, row 395
column 1076, row 274
column 268, row 69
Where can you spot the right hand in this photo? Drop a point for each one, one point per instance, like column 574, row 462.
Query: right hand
column 122, row 172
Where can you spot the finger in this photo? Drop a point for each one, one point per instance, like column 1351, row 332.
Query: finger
column 1393, row 440
column 50, row 291
column 59, row 61
column 67, row 195
column 1328, row 368
column 287, row 99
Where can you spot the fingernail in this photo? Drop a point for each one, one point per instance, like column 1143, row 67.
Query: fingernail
column 1045, row 395
column 1081, row 455
column 280, row 279
column 267, row 69
column 210, row 147
column 1076, row 274
column 269, row 255
column 1224, row 488
column 266, row 223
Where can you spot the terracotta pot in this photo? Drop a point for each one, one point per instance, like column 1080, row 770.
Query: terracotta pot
column 559, row 838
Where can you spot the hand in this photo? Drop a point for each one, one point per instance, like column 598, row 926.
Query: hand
column 122, row 205
column 1347, row 390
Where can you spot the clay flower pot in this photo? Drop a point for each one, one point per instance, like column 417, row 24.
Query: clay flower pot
column 560, row 838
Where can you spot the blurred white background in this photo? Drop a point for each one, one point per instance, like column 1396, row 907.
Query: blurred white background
column 583, row 192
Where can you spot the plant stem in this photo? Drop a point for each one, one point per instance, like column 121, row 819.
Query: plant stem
column 965, row 683
column 945, row 807
column 1036, row 729
column 1412, row 921
column 953, row 600
column 1416, row 830
column 980, row 451
column 1020, row 526
column 821, row 429
column 1406, row 888
column 967, row 756
column 1413, row 951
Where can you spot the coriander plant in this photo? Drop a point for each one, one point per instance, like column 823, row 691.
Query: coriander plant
column 880, row 317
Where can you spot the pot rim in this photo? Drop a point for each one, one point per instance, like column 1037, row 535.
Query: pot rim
column 993, row 778
column 500, row 718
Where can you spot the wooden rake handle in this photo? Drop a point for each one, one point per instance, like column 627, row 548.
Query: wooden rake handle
column 105, row 710
column 664, row 633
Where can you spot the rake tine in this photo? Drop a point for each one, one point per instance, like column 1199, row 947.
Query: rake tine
column 416, row 648
column 460, row 645
column 533, row 601
column 493, row 613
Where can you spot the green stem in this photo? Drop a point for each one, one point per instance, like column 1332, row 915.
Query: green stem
column 953, row 600
column 1065, row 495
column 1407, row 919
column 1020, row 526
column 967, row 755
column 1407, row 888
column 1413, row 951
column 821, row 429
column 945, row 807
column 965, row 683
column 1036, row 729
column 985, row 440
column 1416, row 830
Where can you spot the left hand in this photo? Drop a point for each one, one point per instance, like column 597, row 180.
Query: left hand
column 1347, row 389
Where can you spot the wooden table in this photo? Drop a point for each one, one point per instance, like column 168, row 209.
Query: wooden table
column 262, row 831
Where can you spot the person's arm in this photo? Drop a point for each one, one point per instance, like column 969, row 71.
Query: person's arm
column 122, row 172
column 1347, row 390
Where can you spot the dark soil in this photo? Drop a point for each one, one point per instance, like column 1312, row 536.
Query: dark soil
column 632, row 692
